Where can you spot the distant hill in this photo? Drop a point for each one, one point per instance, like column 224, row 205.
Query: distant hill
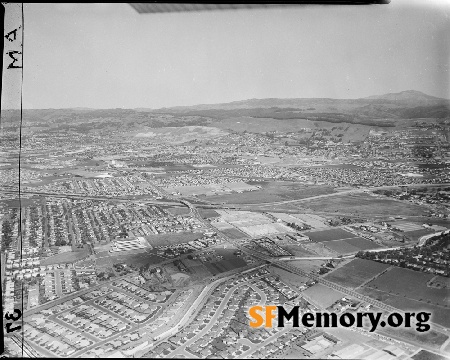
column 380, row 110
column 408, row 95
column 374, row 110
column 414, row 97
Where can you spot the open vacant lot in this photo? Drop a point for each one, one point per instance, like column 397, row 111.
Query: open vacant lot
column 172, row 239
column 273, row 191
column 178, row 210
column 361, row 243
column 130, row 258
column 364, row 204
column 356, row 272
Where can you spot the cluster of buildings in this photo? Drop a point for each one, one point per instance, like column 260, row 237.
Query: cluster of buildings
column 131, row 185
column 128, row 286
column 109, row 347
column 93, row 321
column 194, row 180
column 56, row 339
column 127, row 307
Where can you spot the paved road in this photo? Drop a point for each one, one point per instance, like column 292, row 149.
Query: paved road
column 315, row 258
column 423, row 239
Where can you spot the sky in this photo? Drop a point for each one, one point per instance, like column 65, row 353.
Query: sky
column 109, row 56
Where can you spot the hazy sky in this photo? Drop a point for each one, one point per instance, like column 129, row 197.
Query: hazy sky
column 109, row 56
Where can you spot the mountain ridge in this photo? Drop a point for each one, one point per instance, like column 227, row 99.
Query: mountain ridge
column 407, row 97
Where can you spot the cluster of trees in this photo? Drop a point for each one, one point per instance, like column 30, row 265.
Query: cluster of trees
column 298, row 227
column 434, row 254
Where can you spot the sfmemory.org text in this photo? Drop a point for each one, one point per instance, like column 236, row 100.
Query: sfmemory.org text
column 264, row 316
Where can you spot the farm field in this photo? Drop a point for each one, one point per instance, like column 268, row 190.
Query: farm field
column 410, row 284
column 340, row 246
column 401, row 302
column 233, row 233
column 329, row 235
column 356, row 272
column 322, row 296
column 208, row 213
column 364, row 204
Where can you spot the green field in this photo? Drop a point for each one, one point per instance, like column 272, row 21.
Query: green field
column 356, row 272
column 417, row 234
column 233, row 233
column 66, row 257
